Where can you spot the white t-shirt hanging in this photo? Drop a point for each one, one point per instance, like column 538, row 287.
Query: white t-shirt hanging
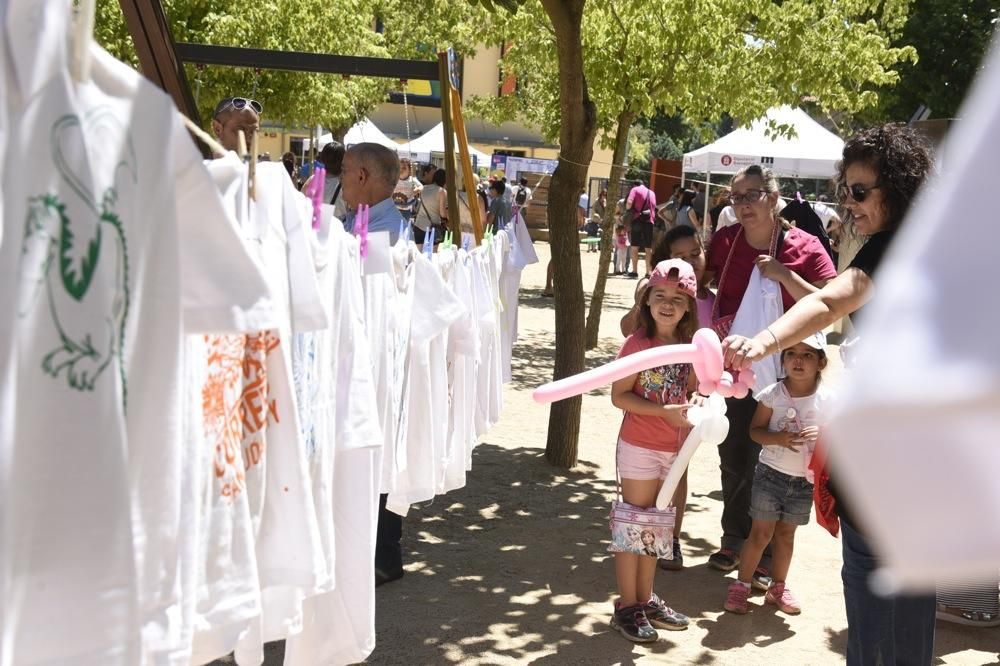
column 146, row 253
column 510, row 287
column 290, row 559
column 388, row 303
column 495, row 254
column 313, row 380
column 463, row 354
column 227, row 594
column 339, row 626
column 435, row 309
column 487, row 321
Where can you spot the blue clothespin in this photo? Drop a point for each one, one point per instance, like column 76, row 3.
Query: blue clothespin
column 429, row 243
column 466, row 242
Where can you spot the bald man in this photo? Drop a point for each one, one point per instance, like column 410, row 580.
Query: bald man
column 233, row 114
column 368, row 176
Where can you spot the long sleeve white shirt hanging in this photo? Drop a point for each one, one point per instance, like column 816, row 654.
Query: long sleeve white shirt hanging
column 915, row 437
column 116, row 245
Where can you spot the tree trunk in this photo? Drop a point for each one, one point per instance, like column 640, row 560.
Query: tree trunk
column 576, row 147
column 625, row 120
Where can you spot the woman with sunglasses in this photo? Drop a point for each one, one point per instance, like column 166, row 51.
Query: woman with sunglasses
column 878, row 178
column 798, row 262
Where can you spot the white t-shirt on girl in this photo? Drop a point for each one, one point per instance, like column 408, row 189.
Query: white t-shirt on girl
column 407, row 186
column 792, row 415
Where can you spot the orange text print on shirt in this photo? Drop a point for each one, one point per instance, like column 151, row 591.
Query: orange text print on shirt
column 236, row 405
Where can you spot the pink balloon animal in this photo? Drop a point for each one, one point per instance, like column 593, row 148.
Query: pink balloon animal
column 704, row 353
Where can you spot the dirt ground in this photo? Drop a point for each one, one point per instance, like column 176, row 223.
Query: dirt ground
column 512, row 569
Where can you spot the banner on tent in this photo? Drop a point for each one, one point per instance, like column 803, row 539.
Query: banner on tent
column 782, row 166
column 514, row 166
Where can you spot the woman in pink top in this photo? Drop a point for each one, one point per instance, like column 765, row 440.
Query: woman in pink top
column 655, row 403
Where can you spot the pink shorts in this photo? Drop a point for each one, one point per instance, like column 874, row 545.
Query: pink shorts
column 639, row 464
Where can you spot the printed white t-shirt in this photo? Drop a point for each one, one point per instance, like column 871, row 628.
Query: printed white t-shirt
column 116, row 246
column 290, row 559
column 226, row 595
column 792, row 415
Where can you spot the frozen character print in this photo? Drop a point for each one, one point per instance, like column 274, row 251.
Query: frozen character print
column 649, row 543
column 665, row 384
column 74, row 250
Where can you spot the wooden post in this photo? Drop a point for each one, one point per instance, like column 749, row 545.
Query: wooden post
column 466, row 160
column 454, row 212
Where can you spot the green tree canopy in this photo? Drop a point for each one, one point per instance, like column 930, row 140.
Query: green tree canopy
column 951, row 37
column 700, row 59
column 409, row 30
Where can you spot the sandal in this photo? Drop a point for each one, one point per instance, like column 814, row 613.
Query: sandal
column 967, row 617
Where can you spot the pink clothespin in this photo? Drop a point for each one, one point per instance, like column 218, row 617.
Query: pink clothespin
column 361, row 228
column 315, row 193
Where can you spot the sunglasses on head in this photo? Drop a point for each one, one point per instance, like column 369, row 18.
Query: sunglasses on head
column 239, row 103
column 856, row 192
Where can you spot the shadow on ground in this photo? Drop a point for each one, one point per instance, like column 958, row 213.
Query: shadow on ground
column 514, row 569
column 534, row 357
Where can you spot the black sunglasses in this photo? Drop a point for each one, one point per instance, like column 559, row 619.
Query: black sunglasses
column 856, row 192
column 238, row 103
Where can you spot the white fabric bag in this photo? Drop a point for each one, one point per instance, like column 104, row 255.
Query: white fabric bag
column 761, row 306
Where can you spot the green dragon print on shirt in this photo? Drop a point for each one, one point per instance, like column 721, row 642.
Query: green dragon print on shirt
column 75, row 252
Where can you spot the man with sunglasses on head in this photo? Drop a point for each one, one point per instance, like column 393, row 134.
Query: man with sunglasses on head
column 233, row 114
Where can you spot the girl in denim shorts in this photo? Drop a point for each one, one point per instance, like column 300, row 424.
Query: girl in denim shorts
column 786, row 426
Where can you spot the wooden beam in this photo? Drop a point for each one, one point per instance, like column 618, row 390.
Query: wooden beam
column 300, row 61
column 468, row 182
column 158, row 59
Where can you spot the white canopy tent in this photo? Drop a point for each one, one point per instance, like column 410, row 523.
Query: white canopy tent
column 811, row 152
column 365, row 131
column 432, row 141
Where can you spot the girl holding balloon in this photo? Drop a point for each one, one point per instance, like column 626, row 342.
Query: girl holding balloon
column 655, row 402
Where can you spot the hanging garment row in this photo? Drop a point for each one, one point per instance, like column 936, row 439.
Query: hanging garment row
column 202, row 396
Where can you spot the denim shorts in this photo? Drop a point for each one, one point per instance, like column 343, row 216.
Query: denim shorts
column 778, row 496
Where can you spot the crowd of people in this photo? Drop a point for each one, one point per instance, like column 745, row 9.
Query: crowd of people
column 699, row 264
column 421, row 194
column 699, row 272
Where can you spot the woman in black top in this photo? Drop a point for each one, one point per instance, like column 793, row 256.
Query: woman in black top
column 878, row 178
